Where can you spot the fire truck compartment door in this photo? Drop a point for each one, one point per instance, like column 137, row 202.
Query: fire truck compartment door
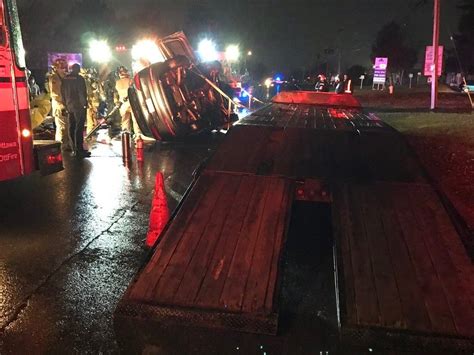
column 10, row 154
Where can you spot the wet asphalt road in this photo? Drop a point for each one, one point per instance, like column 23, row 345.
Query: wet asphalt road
column 70, row 243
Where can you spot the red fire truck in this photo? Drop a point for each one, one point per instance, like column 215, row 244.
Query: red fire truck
column 19, row 154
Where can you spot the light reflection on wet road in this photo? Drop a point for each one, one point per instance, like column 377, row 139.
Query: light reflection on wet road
column 70, row 244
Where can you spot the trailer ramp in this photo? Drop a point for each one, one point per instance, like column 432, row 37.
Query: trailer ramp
column 405, row 279
column 217, row 265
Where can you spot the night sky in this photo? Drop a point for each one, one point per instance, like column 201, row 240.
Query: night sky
column 284, row 35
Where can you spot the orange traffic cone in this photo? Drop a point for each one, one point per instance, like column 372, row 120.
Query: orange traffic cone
column 159, row 213
column 139, row 146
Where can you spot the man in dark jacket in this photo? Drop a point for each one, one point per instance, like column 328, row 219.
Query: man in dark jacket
column 74, row 93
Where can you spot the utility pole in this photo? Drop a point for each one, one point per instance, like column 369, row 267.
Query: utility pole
column 434, row 75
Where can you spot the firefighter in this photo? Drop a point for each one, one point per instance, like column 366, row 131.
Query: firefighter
column 107, row 80
column 74, row 94
column 339, row 89
column 55, row 78
column 33, row 87
column 322, row 84
column 128, row 120
column 40, row 106
column 93, row 96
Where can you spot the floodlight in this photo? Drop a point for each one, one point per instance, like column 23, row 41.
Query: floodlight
column 232, row 53
column 207, row 50
column 99, row 51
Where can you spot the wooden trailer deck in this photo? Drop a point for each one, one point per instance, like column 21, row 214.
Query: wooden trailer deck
column 402, row 270
column 220, row 255
column 313, row 153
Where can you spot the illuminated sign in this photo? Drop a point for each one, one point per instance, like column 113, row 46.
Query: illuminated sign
column 380, row 70
column 429, row 61
column 70, row 58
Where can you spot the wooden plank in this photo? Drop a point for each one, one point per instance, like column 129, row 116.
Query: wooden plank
column 387, row 291
column 343, row 156
column 227, row 152
column 228, row 157
column 451, row 279
column 250, row 152
column 282, row 227
column 382, row 162
column 173, row 274
column 342, row 227
column 150, row 275
column 213, row 283
column 202, row 256
column 365, row 291
column 415, row 314
column 261, row 264
column 288, row 157
column 267, row 153
column 245, row 157
column 316, row 163
column 234, row 286
column 435, row 300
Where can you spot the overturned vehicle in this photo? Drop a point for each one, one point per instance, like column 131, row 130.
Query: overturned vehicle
column 178, row 97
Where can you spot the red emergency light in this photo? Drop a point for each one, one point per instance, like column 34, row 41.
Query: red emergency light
column 317, row 98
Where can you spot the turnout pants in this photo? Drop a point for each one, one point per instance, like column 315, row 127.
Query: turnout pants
column 60, row 122
column 91, row 122
column 77, row 119
column 128, row 118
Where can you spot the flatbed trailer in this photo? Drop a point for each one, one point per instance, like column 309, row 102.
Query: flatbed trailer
column 402, row 274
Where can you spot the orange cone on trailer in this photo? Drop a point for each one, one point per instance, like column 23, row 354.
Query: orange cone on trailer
column 159, row 214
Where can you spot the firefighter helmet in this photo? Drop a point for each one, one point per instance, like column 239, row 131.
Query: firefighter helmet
column 60, row 63
column 122, row 72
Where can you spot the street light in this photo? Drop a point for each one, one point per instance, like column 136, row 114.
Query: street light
column 207, row 50
column 99, row 51
column 268, row 83
column 232, row 53
column 249, row 53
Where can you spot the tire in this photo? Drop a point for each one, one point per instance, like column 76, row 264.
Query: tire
column 164, row 110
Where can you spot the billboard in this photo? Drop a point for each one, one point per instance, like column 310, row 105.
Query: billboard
column 429, row 56
column 71, row 58
column 380, row 70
